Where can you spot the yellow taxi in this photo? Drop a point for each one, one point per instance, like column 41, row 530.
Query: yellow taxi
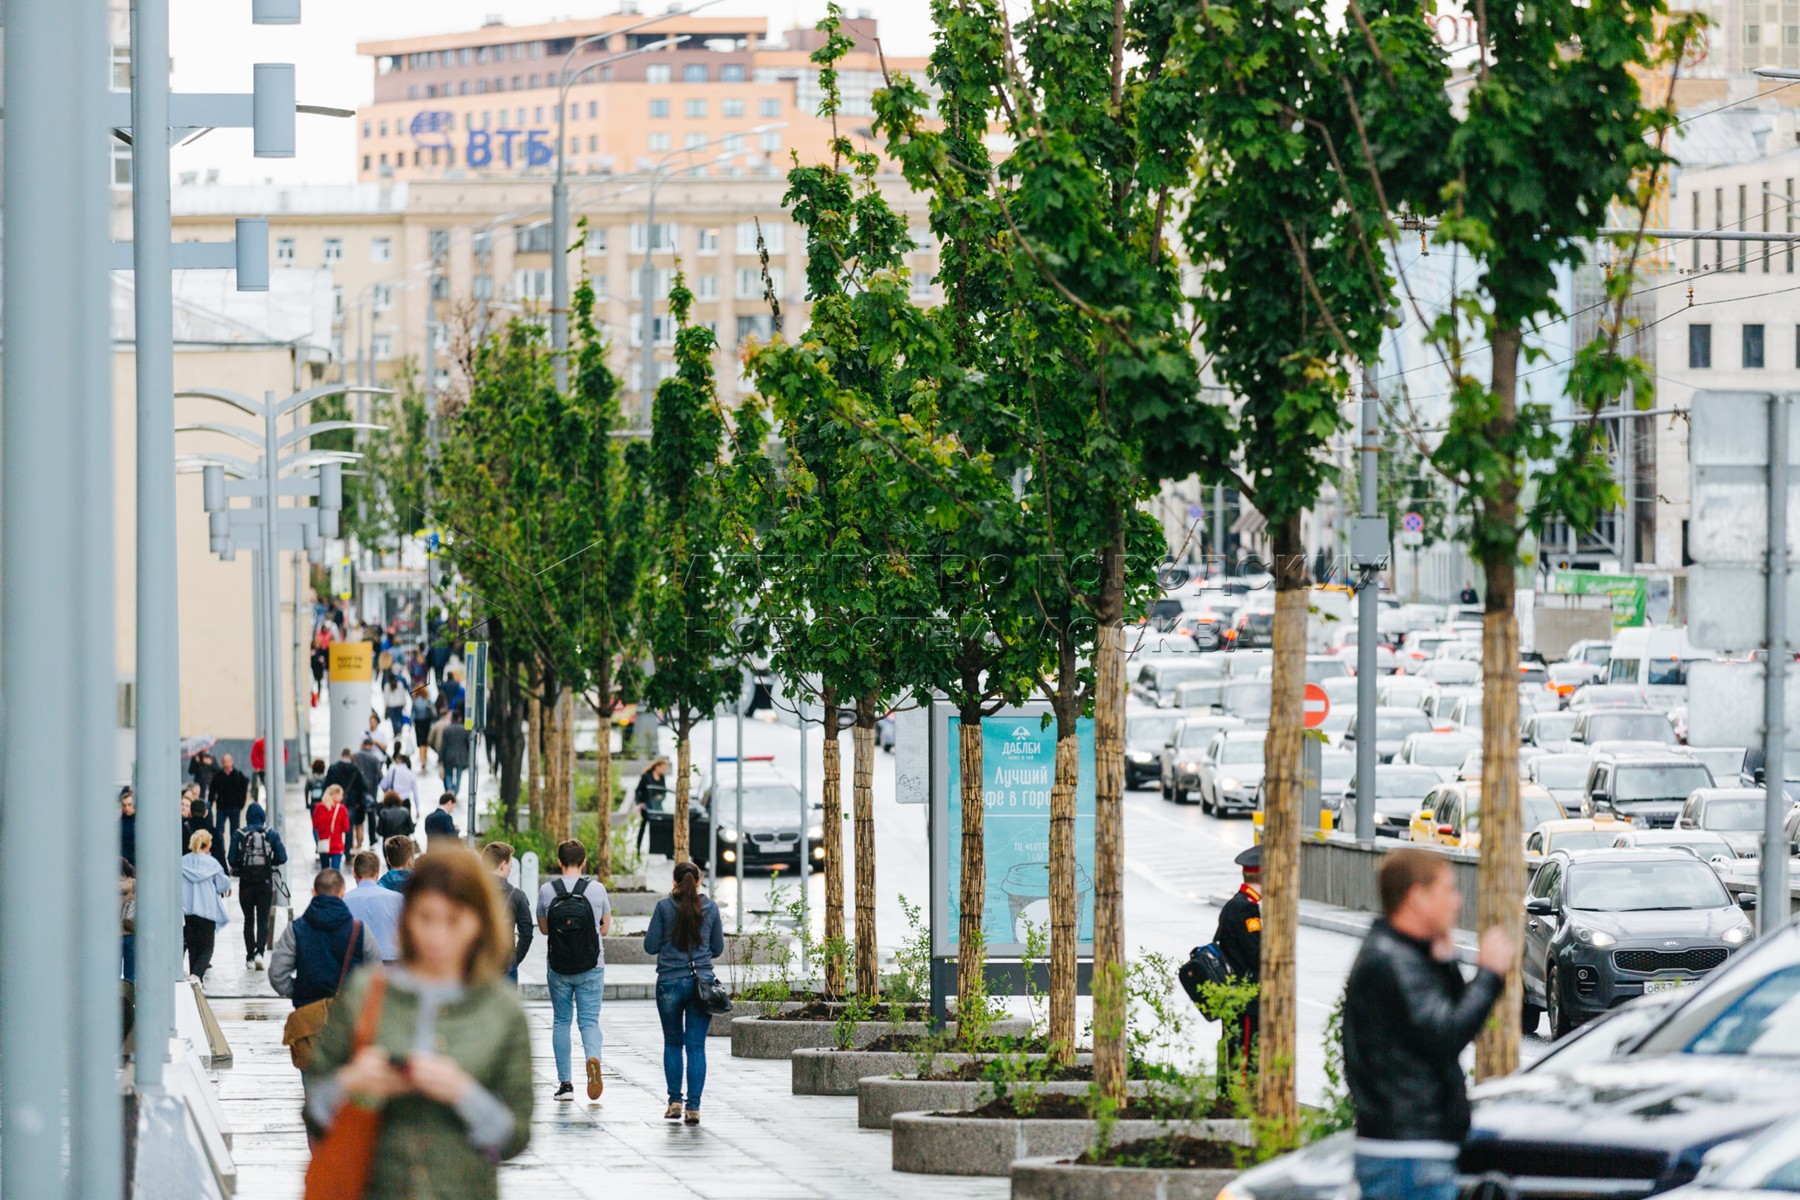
column 1578, row 833
column 1451, row 813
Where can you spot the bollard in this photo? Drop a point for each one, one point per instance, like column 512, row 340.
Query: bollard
column 528, row 875
column 1326, row 823
column 1256, row 828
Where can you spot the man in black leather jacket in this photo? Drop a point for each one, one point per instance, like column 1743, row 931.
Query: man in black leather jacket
column 1408, row 1013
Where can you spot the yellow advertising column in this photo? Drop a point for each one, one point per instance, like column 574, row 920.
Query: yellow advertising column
column 351, row 673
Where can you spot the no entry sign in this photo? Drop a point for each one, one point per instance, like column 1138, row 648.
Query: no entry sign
column 1318, row 706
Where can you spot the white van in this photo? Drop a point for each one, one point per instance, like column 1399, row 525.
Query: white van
column 1655, row 658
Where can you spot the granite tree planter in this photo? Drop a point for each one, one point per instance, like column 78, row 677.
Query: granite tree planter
column 634, row 904
column 624, row 949
column 1054, row 1178
column 879, row 1097
column 934, row 1144
column 755, row 1037
column 740, row 1007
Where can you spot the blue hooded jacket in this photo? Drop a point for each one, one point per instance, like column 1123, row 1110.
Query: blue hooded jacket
column 256, row 818
column 321, row 938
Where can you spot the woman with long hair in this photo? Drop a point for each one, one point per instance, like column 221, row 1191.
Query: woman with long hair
column 685, row 935
column 448, row 1062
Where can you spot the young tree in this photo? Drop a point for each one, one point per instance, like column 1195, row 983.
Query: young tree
column 691, row 604
column 384, row 500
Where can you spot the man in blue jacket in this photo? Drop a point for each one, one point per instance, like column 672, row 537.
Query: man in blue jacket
column 314, row 953
column 256, row 854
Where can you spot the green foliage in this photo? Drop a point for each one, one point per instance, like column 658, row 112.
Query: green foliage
column 911, row 981
column 385, row 495
column 1338, row 1112
column 856, row 1009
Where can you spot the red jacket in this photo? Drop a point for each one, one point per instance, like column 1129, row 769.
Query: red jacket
column 332, row 823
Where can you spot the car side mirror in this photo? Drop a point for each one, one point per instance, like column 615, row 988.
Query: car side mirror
column 1540, row 906
column 1756, row 777
column 1601, row 799
column 1747, row 901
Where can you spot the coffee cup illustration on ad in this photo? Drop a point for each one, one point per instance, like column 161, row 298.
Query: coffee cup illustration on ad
column 1027, row 890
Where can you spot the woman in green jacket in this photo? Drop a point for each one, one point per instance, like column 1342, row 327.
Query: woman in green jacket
column 450, row 1063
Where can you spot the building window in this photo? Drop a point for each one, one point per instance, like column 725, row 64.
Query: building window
column 532, row 283
column 121, row 68
column 284, row 251
column 334, row 250
column 731, row 73
column 481, row 244
column 695, row 141
column 381, row 347
column 694, row 73
column 770, row 141
column 706, row 241
column 412, row 93
column 1699, row 346
column 731, row 108
column 532, row 239
column 365, row 162
column 595, row 239
column 760, row 327
column 706, row 287
column 381, row 297
column 1753, row 35
column 659, row 142
column 440, row 287
column 769, row 106
column 593, row 143
column 656, row 73
column 750, row 282
column 538, row 114
column 732, row 143
column 482, row 287
column 774, row 236
column 593, row 109
column 659, row 286
column 659, row 108
column 695, row 110
column 661, row 238
column 921, row 283
column 337, row 300
column 440, row 244
column 381, row 249
column 533, row 82
column 1753, row 346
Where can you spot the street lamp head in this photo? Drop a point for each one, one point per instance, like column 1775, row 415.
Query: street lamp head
column 272, row 109
column 274, row 12
column 252, row 254
column 212, row 487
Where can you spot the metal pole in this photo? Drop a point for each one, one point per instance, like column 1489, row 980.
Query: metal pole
column 559, row 249
column 269, row 564
column 56, row 366
column 1628, row 534
column 158, row 768
column 474, row 780
column 1772, row 901
column 1219, row 525
column 742, row 839
column 647, row 283
column 1367, row 622
column 805, row 813
column 712, row 816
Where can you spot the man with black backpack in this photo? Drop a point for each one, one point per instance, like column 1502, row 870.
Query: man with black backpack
column 574, row 913
column 1233, row 956
column 256, row 852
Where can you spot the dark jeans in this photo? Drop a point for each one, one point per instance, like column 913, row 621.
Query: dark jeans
column 227, row 822
column 396, row 718
column 334, row 861
column 643, row 828
column 684, row 1026
column 128, row 957
column 197, row 939
column 1383, row 1178
column 256, row 899
column 453, row 777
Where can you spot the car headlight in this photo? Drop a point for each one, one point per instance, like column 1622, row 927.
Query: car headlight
column 815, row 831
column 1139, row 756
column 1190, row 766
column 1737, row 935
column 728, row 835
column 1236, row 1191
column 1597, row 938
column 1230, row 784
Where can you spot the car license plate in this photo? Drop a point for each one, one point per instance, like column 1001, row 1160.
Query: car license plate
column 1667, row 985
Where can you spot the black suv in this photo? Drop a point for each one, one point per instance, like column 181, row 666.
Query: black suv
column 1645, row 788
column 1606, row 926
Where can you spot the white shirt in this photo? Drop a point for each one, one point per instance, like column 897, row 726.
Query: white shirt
column 382, row 736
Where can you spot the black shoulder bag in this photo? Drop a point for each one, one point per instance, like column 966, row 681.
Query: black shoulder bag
column 709, row 994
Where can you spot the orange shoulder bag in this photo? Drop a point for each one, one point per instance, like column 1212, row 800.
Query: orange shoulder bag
column 341, row 1161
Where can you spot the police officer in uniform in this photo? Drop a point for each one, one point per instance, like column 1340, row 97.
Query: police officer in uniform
column 1239, row 939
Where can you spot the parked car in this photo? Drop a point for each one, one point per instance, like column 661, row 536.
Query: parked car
column 1441, row 704
column 1645, row 789
column 1341, row 690
column 1231, row 771
column 1710, row 847
column 1405, row 691
column 1198, row 693
column 1253, row 628
column 1735, row 814
column 1607, row 695
column 1562, row 775
column 1442, row 752
column 1656, row 659
column 1623, row 725
column 1157, row 679
column 1145, row 734
column 1575, row 833
column 1605, row 926
column 1245, row 661
column 1392, row 725
column 1247, row 699
column 1595, row 653
column 1399, row 793
column 1451, row 815
column 1725, row 762
column 1549, row 730
column 1743, row 1170
column 1451, row 670
column 1466, row 712
column 1179, row 765
column 1564, row 678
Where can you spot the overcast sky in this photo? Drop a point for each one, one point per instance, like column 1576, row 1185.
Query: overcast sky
column 214, row 44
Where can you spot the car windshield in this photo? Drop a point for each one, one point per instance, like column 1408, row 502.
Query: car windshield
column 1454, row 672
column 1554, row 727
column 762, row 802
column 1171, row 677
column 1536, row 808
column 1665, row 672
column 1739, row 1014
column 1671, row 781
column 1197, row 733
column 1318, row 670
column 1599, row 656
column 1700, row 844
column 1560, row 773
column 1770, row 1164
column 1629, row 727
column 1644, row 886
column 1150, row 729
column 1442, row 751
column 1394, row 783
column 1609, row 695
column 1245, row 750
column 1579, row 839
column 1723, row 762
column 1398, row 725
column 1201, row 693
column 1733, row 816
column 1257, row 622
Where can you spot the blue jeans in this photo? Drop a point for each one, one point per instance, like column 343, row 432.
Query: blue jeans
column 453, row 779
column 684, row 1025
column 575, row 997
column 1406, row 1178
column 334, row 861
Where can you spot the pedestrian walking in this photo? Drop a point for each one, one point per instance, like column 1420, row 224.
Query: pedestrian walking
column 127, row 825
column 313, row 957
column 422, row 716
column 499, row 857
column 400, row 779
column 380, row 736
column 127, row 922
column 652, row 787
column 259, row 764
column 1408, row 1013
column 371, row 764
column 1468, row 594
column 331, row 828
column 201, row 769
column 344, row 775
column 574, row 913
column 194, row 814
column 442, row 823
column 439, row 1043
column 1239, row 939
column 686, row 935
column 315, row 785
column 452, row 685
column 204, row 885
column 399, row 852
column 321, row 659
column 229, row 792
column 453, row 750
column 256, row 853
column 395, row 700
column 373, row 905
column 393, row 819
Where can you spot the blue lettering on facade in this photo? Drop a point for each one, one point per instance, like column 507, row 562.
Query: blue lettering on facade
column 433, row 129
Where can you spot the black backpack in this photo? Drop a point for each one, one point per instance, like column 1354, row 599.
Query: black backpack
column 1205, row 965
column 574, row 936
column 256, row 856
